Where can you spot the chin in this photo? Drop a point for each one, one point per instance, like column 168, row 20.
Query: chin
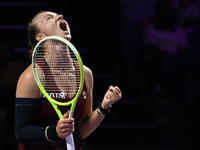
column 68, row 38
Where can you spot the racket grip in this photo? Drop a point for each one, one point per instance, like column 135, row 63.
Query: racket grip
column 70, row 142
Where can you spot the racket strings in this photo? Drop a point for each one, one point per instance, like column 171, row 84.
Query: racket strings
column 59, row 72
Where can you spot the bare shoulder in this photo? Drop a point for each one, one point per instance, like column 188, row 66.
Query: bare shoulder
column 26, row 86
column 27, row 74
column 87, row 71
column 88, row 78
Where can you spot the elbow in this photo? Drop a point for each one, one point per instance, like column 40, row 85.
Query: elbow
column 21, row 136
column 84, row 136
column 18, row 137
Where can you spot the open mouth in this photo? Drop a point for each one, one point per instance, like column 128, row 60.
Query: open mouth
column 63, row 26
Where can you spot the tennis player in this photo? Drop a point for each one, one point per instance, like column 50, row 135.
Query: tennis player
column 37, row 124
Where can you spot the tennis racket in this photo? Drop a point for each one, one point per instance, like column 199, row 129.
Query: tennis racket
column 58, row 69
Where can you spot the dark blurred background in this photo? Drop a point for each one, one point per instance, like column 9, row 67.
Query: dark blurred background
column 149, row 48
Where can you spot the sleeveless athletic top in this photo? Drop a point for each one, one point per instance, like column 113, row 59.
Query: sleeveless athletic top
column 47, row 117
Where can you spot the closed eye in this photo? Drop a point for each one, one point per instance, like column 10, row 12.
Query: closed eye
column 47, row 17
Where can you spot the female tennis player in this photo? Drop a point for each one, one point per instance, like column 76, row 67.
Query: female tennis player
column 37, row 124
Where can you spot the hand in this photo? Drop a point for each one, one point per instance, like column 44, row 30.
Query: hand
column 112, row 95
column 65, row 126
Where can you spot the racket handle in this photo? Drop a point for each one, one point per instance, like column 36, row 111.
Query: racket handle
column 70, row 142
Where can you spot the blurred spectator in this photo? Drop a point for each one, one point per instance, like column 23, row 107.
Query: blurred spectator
column 133, row 15
column 164, row 42
column 169, row 73
column 190, row 14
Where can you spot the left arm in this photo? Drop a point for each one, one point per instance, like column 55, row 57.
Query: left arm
column 91, row 119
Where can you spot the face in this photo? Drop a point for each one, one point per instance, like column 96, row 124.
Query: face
column 50, row 23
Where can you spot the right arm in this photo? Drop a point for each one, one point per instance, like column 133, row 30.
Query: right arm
column 26, row 111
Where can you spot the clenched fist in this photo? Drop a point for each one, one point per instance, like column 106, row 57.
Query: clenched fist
column 112, row 95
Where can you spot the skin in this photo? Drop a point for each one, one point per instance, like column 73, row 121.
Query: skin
column 49, row 24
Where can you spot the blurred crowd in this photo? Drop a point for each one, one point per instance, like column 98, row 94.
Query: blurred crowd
column 160, row 45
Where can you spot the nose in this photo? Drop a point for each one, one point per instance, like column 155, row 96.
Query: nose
column 59, row 17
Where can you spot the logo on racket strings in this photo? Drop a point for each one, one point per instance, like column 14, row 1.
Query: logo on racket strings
column 56, row 95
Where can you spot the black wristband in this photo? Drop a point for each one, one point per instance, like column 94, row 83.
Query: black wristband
column 105, row 111
column 52, row 134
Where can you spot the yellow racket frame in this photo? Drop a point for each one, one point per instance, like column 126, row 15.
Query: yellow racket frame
column 53, row 102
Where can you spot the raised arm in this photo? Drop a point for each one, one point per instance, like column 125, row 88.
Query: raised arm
column 92, row 119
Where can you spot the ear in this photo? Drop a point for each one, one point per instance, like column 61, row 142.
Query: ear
column 40, row 36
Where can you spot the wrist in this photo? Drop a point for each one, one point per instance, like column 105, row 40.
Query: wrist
column 100, row 113
column 51, row 133
column 105, row 104
column 103, row 109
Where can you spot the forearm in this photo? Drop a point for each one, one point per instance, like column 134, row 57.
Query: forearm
column 90, row 123
column 25, row 117
column 31, row 134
